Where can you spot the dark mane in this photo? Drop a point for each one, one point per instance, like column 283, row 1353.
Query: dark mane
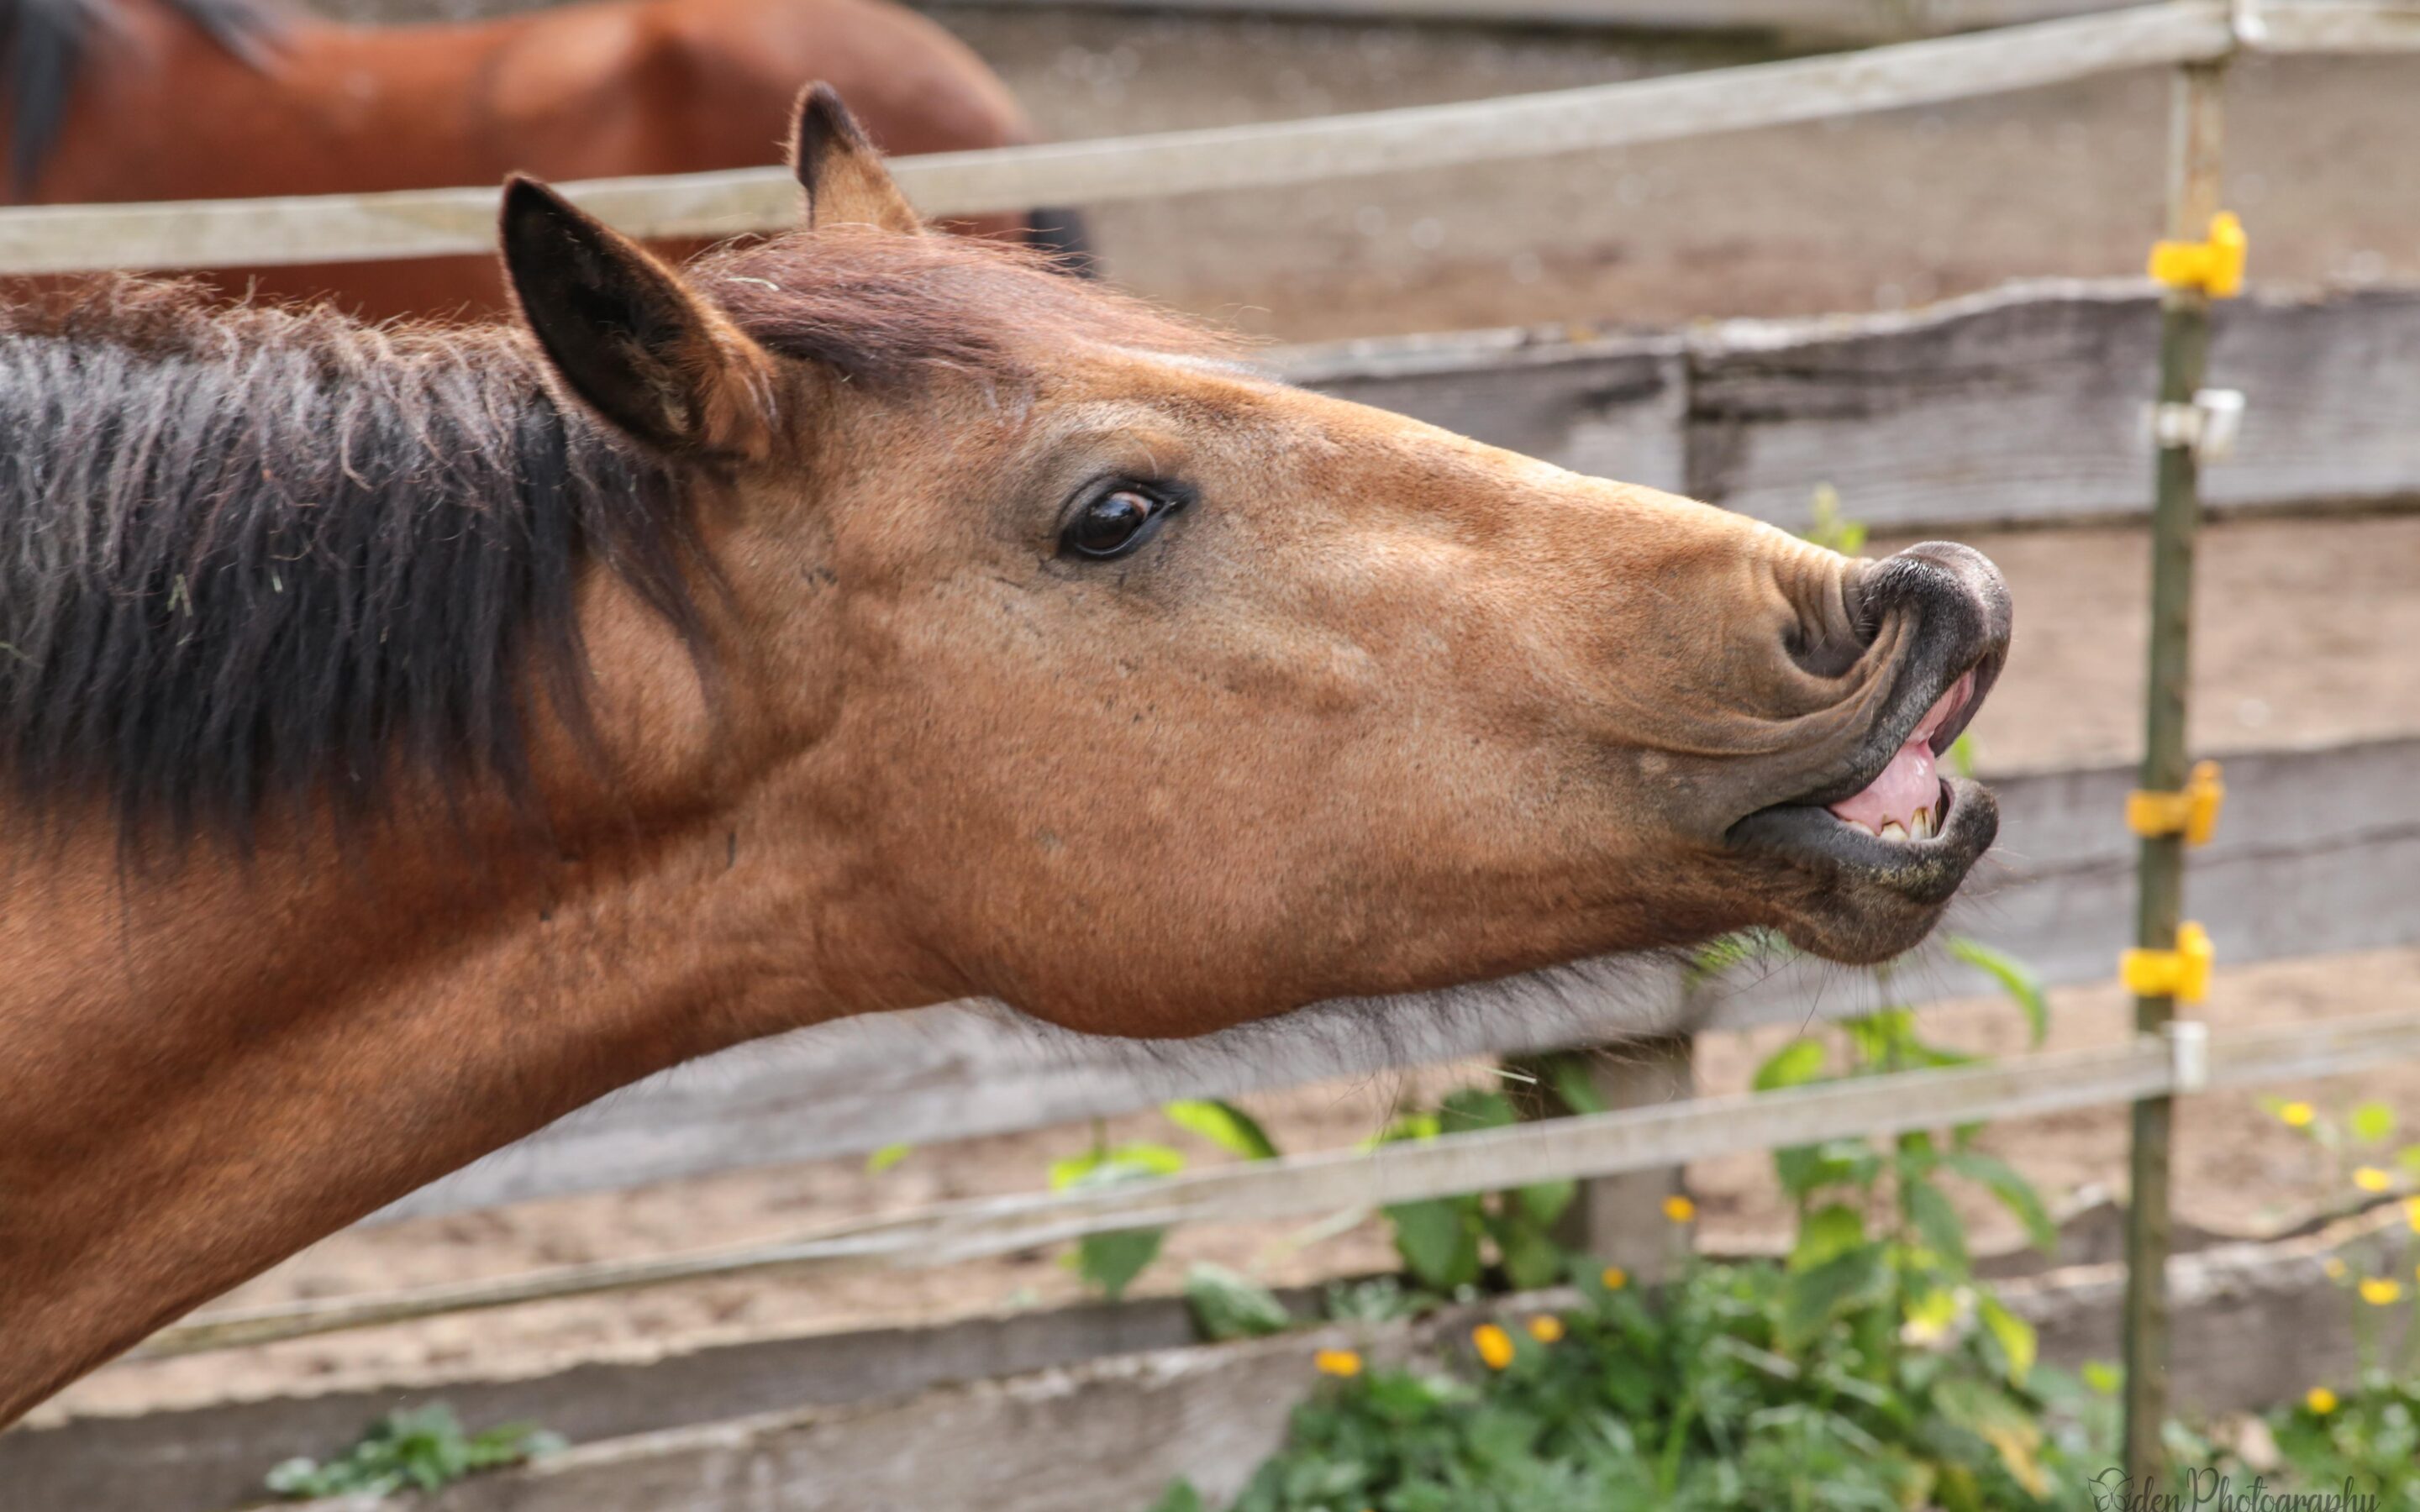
column 884, row 309
column 262, row 555
column 42, row 44
column 254, row 556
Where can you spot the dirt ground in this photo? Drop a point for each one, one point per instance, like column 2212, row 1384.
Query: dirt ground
column 2304, row 635
column 2305, row 629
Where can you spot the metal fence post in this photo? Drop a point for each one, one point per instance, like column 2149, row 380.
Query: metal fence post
column 2184, row 348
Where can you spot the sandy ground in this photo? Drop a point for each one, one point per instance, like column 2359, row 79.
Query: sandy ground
column 2303, row 628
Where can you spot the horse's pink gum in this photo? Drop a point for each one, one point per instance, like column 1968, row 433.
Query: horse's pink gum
column 1912, row 780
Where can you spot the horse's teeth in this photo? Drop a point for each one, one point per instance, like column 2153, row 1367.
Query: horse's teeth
column 1893, row 829
column 1921, row 826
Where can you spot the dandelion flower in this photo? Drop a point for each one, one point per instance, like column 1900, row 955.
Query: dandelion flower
column 1679, row 1208
column 2320, row 1401
column 2379, row 1292
column 1545, row 1328
column 1343, row 1364
column 2370, row 1179
column 1615, row 1277
column 2297, row 1114
column 1495, row 1346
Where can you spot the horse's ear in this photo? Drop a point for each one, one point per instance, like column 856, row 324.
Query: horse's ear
column 628, row 337
column 840, row 170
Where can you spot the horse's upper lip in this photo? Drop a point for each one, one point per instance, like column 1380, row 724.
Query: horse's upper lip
column 1927, row 868
column 1908, row 708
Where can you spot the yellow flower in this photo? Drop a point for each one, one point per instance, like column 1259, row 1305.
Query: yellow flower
column 2412, row 1212
column 1495, row 1346
column 1545, row 1328
column 1679, row 1208
column 2334, row 1267
column 1615, row 1277
column 2370, row 1179
column 1343, row 1363
column 2379, row 1292
column 2320, row 1401
column 2297, row 1114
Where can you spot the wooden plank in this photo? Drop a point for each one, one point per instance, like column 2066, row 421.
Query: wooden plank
column 1858, row 20
column 2255, row 1324
column 2313, row 842
column 1554, row 1150
column 1612, row 407
column 439, row 222
column 2026, row 405
column 2023, row 406
column 2337, row 26
column 209, row 1459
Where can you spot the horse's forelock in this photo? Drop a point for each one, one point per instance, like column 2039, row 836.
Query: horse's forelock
column 887, row 310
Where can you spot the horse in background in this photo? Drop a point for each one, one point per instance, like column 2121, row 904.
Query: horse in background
column 117, row 101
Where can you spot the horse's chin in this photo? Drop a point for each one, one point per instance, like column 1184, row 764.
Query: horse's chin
column 1850, row 895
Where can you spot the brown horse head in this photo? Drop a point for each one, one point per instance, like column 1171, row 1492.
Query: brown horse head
column 1151, row 694
column 882, row 619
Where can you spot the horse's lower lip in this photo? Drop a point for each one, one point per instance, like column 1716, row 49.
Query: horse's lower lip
column 1924, row 872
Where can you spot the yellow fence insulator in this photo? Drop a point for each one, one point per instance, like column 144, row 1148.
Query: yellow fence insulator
column 2182, row 974
column 2191, row 812
column 2215, row 267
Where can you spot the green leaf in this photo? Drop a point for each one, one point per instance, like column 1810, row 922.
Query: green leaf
column 1810, row 1299
column 2015, row 977
column 2102, row 1377
column 1438, row 1239
column 1992, row 1415
column 1074, row 1168
column 1474, row 1107
column 1226, row 1305
column 1531, row 1258
column 2373, row 1123
column 2020, row 1345
column 1936, row 1222
column 2013, row 1191
column 1794, row 1064
column 885, row 1158
column 1180, row 1497
column 1225, row 1125
column 1719, row 955
column 1111, row 1261
column 1137, row 1161
column 1803, row 1168
column 1573, row 1084
column 1544, row 1202
column 1825, row 1235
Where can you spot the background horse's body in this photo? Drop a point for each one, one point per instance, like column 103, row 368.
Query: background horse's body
column 162, row 106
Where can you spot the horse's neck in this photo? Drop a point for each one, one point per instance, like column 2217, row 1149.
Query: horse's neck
column 204, row 1074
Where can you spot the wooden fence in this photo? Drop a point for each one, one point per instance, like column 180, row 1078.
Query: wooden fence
column 441, row 221
column 2000, row 409
column 1862, row 20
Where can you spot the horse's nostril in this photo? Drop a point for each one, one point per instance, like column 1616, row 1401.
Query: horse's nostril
column 1831, row 633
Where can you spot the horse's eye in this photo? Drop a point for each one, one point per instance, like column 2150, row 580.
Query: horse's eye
column 1113, row 524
